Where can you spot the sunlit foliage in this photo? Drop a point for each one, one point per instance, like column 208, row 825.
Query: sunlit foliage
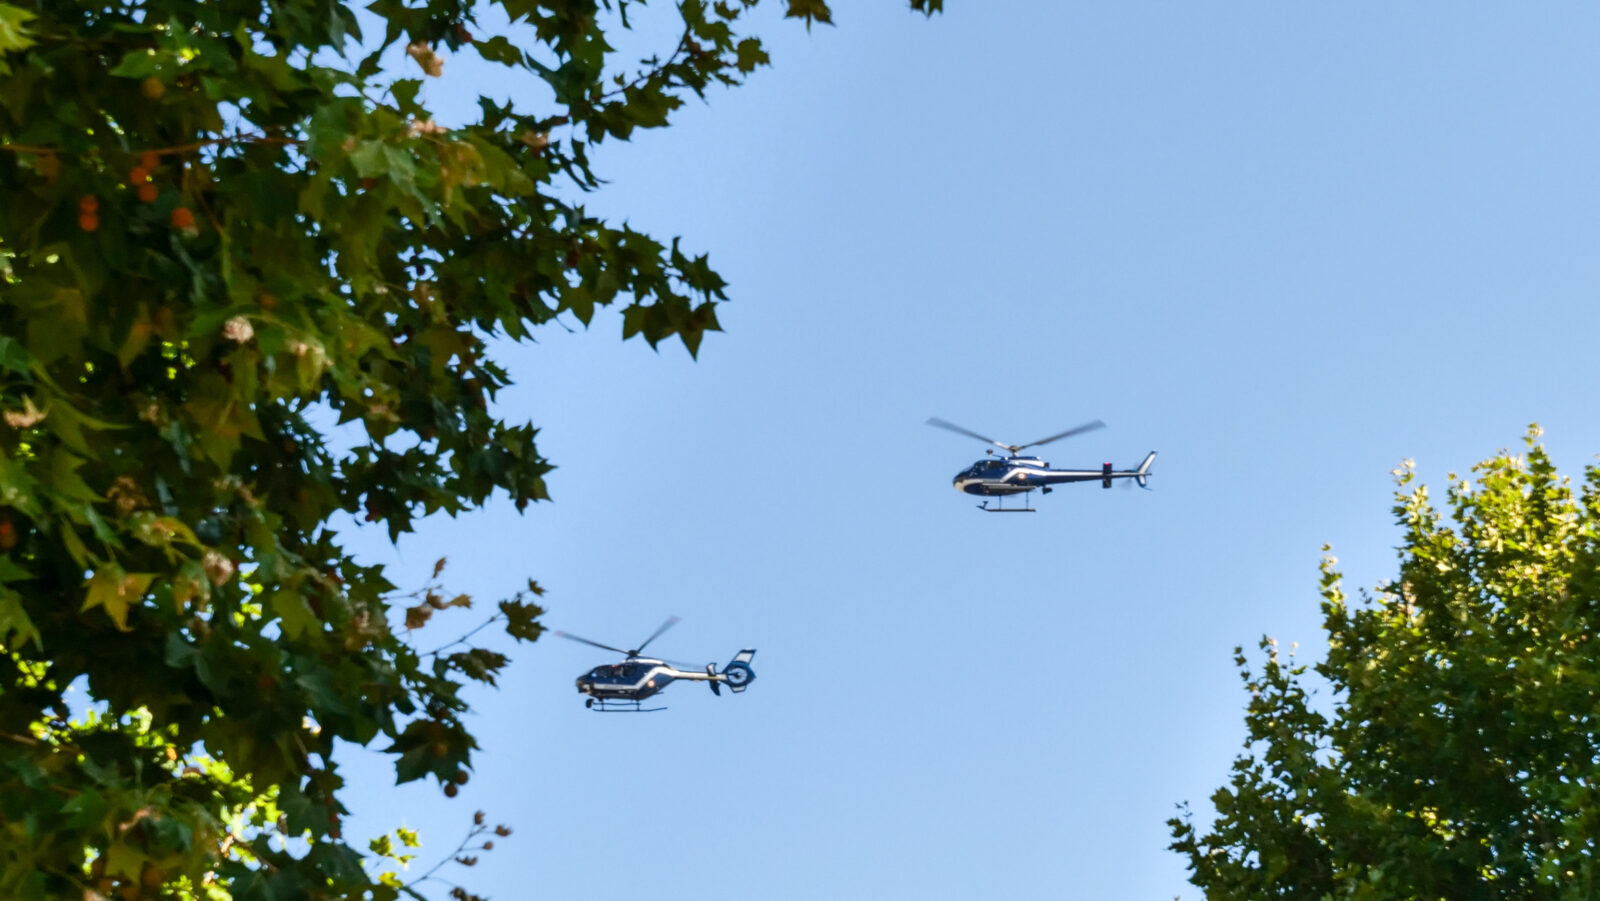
column 1458, row 754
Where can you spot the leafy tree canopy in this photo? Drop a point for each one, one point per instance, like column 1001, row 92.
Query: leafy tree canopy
column 224, row 226
column 1459, row 754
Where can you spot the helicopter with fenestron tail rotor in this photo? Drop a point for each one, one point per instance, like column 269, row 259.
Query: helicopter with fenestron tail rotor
column 619, row 687
column 999, row 477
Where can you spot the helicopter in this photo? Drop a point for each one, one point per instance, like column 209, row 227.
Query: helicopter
column 620, row 687
column 998, row 477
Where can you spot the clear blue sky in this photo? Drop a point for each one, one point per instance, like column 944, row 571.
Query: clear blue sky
column 1287, row 245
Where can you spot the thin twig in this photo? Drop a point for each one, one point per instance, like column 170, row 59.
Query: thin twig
column 476, row 830
column 481, row 626
column 683, row 44
column 176, row 149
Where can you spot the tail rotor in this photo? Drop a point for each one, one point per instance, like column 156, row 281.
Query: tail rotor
column 738, row 673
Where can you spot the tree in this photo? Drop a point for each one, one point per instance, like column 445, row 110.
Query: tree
column 223, row 226
column 1459, row 753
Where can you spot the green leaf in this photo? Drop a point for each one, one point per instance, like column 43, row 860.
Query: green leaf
column 479, row 664
column 142, row 63
column 13, row 36
column 14, row 357
column 370, row 159
column 73, row 545
column 59, row 331
column 810, row 11
column 750, row 54
column 68, row 423
column 65, row 480
column 291, row 606
column 86, row 809
column 11, row 572
column 301, row 813
column 521, row 619
column 499, row 50
column 16, row 627
column 125, row 861
column 405, row 94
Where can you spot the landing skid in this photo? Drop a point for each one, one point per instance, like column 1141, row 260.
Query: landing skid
column 1002, row 508
column 604, row 706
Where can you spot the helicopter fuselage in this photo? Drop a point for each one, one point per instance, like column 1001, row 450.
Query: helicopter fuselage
column 614, row 686
column 634, row 679
column 638, row 678
column 1003, row 476
column 1015, row 474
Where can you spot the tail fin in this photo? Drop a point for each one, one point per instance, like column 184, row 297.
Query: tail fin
column 1143, row 472
column 738, row 673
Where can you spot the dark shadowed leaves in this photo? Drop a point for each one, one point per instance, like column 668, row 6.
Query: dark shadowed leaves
column 218, row 235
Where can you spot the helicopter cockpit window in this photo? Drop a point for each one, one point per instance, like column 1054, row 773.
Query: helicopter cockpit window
column 612, row 673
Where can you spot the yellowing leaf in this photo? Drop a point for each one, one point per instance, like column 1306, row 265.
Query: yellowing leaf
column 74, row 545
column 116, row 591
column 160, row 531
column 124, row 860
column 138, row 338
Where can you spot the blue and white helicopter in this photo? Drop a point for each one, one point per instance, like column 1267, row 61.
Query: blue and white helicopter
column 619, row 687
column 998, row 477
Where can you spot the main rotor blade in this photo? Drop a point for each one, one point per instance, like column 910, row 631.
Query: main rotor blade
column 936, row 422
column 593, row 643
column 1086, row 427
column 671, row 621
